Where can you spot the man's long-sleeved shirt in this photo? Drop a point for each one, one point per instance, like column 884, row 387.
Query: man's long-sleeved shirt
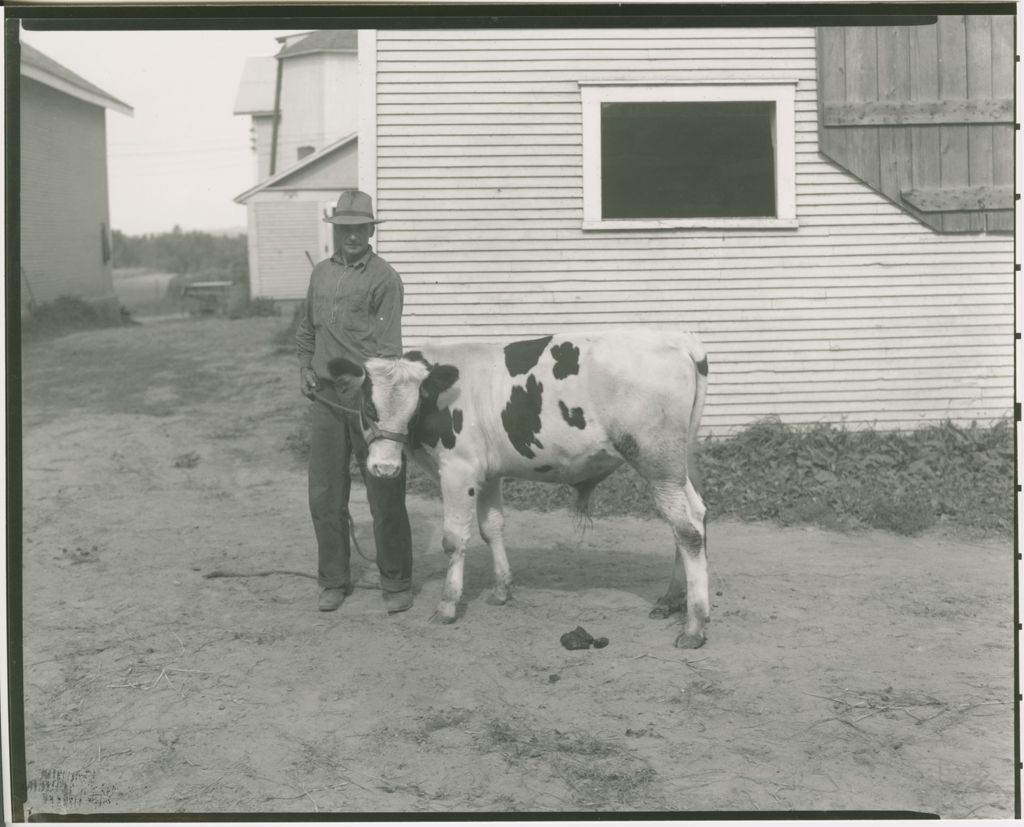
column 352, row 310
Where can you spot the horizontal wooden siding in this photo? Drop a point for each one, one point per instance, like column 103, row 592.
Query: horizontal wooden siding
column 64, row 202
column 285, row 231
column 862, row 315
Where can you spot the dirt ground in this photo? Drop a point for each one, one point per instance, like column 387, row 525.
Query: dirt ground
column 841, row 672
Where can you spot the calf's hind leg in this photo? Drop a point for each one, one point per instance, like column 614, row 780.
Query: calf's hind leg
column 684, row 510
column 491, row 520
column 674, row 600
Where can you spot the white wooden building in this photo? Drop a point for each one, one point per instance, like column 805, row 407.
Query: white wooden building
column 309, row 89
column 286, row 233
column 64, row 199
column 525, row 191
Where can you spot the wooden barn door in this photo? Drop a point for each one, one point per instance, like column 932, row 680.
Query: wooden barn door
column 924, row 115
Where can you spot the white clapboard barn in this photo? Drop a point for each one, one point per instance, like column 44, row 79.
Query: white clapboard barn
column 303, row 106
column 64, row 200
column 831, row 209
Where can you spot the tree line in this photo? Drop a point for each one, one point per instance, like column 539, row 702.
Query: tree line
column 183, row 253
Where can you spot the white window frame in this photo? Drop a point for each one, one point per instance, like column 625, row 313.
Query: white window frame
column 780, row 92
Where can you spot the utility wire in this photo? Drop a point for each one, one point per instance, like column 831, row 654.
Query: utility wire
column 137, row 148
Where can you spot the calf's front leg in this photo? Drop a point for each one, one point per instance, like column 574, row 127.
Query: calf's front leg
column 459, row 496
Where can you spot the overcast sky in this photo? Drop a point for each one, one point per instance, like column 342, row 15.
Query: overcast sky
column 184, row 156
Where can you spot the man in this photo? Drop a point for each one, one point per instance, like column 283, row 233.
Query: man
column 353, row 309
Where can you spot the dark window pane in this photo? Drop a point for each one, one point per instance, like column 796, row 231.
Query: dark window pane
column 687, row 160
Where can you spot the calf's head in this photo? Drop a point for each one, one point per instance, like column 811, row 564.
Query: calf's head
column 391, row 393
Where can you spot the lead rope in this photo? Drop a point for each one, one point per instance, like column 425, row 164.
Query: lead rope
column 328, row 402
column 355, row 542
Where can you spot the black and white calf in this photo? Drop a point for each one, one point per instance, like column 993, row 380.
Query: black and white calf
column 563, row 409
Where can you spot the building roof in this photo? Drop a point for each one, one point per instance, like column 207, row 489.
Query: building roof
column 308, row 161
column 256, row 89
column 39, row 67
column 326, row 40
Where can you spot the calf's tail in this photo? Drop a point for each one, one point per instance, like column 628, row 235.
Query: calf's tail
column 700, row 363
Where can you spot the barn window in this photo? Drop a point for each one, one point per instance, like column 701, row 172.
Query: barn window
column 688, row 155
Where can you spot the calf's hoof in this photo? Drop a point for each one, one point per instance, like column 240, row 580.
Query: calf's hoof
column 688, row 641
column 445, row 613
column 498, row 597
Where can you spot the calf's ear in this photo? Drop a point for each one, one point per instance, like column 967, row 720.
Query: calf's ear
column 440, row 378
column 345, row 374
column 415, row 356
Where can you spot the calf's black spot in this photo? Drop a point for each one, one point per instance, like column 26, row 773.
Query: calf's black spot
column 521, row 357
column 431, row 425
column 573, row 416
column 702, row 367
column 471, row 492
column 521, row 417
column 440, row 379
column 567, row 360
column 438, row 425
column 543, row 468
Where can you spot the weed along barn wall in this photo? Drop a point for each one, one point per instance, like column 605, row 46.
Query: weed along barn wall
column 478, row 146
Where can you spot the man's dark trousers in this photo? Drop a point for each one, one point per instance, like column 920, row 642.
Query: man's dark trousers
column 335, row 436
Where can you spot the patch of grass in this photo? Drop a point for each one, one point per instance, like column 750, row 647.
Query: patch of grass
column 65, row 314
column 599, row 783
column 907, row 511
column 258, row 306
column 521, row 741
column 153, row 370
column 445, row 719
column 599, row 773
column 905, row 482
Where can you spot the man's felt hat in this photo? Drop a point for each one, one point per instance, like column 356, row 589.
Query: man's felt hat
column 354, row 207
